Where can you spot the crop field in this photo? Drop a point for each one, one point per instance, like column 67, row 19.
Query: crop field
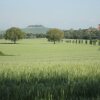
column 35, row 69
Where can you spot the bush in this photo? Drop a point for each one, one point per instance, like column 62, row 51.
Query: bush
column 1, row 53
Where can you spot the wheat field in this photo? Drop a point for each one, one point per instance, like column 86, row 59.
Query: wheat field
column 35, row 69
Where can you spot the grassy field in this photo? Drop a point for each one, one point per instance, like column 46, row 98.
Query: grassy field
column 36, row 69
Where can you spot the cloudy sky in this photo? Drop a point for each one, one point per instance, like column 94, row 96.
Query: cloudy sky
column 64, row 14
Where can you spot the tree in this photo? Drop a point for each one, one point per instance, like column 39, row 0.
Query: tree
column 1, row 36
column 55, row 35
column 14, row 34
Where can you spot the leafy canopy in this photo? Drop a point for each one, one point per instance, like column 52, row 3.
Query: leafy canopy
column 55, row 35
column 14, row 34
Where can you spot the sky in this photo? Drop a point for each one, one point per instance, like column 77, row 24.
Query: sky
column 64, row 14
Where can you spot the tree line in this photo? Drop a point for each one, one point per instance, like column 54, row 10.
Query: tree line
column 54, row 34
column 90, row 33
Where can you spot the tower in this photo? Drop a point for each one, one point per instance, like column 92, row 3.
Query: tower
column 99, row 27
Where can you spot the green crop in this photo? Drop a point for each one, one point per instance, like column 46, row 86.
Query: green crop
column 39, row 70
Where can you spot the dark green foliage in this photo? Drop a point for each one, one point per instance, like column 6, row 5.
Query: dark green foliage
column 90, row 41
column 90, row 33
column 39, row 35
column 99, row 42
column 68, row 41
column 86, row 41
column 79, row 41
column 55, row 35
column 14, row 34
column 51, row 88
column 2, row 54
column 94, row 42
column 76, row 41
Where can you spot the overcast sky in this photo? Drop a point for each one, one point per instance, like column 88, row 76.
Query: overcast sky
column 64, row 14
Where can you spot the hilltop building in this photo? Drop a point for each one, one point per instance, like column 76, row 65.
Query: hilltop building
column 99, row 27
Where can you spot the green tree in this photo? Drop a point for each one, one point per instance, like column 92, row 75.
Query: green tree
column 14, row 34
column 55, row 35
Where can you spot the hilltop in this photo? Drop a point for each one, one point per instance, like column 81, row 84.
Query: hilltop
column 35, row 29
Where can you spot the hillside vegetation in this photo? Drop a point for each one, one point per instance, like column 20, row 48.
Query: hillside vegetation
column 35, row 29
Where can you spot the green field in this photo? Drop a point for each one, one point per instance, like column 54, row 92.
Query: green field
column 36, row 69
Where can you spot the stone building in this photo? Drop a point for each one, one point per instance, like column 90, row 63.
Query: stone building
column 99, row 27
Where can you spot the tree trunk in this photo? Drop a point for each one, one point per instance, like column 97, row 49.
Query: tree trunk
column 14, row 41
column 54, row 41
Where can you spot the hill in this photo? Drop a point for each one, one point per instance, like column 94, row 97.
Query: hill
column 35, row 29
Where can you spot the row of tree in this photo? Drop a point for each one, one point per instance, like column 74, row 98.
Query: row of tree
column 81, row 41
column 15, row 34
column 54, row 35
column 91, row 33
column 31, row 35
